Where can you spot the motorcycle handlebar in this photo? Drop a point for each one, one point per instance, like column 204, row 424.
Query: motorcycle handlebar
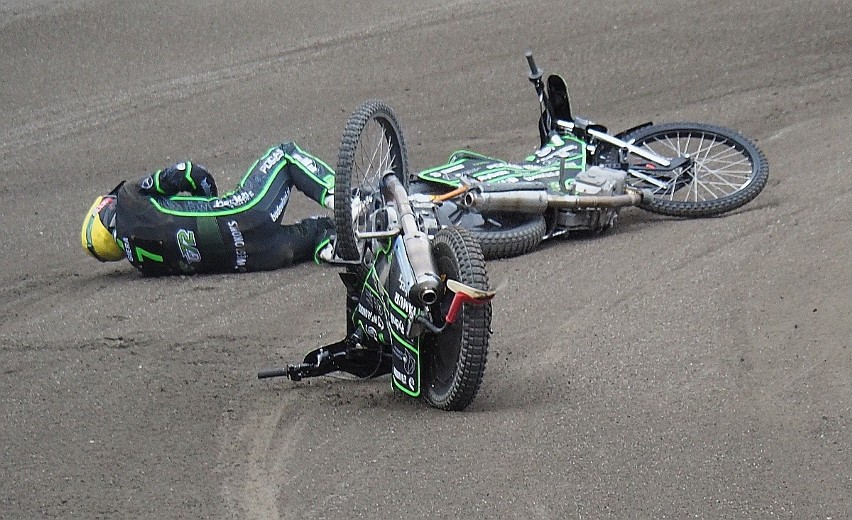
column 272, row 372
column 535, row 72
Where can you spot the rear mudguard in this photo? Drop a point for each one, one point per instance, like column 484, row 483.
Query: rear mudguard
column 386, row 315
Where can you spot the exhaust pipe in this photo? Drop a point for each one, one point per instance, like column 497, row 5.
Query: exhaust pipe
column 537, row 201
column 424, row 292
column 426, row 280
column 530, row 201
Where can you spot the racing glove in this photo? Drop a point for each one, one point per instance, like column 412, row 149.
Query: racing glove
column 182, row 177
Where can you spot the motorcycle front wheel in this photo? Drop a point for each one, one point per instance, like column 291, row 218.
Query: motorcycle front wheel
column 453, row 361
column 726, row 169
column 372, row 146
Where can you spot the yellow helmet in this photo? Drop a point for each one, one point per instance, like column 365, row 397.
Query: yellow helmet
column 97, row 240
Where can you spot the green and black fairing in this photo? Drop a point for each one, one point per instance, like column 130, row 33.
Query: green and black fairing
column 545, row 166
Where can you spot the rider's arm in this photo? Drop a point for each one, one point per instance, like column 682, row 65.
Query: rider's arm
column 310, row 174
column 182, row 177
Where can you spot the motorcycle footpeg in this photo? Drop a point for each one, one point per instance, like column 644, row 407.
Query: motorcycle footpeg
column 291, row 372
column 297, row 372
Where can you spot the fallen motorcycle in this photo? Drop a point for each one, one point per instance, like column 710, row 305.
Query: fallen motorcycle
column 581, row 176
column 417, row 304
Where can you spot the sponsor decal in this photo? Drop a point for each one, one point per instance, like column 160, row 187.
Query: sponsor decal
column 397, row 373
column 239, row 245
column 543, row 152
column 452, row 169
column 409, row 363
column 371, row 317
column 549, row 151
column 147, row 183
column 404, row 367
column 188, row 246
column 272, row 160
column 276, row 212
column 397, row 323
column 492, row 175
column 403, row 303
column 234, row 201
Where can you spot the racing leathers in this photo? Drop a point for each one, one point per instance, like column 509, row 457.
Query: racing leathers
column 164, row 232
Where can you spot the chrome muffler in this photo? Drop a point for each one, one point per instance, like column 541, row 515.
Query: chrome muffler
column 537, row 201
column 417, row 247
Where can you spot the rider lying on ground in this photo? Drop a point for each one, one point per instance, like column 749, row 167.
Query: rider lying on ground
column 163, row 232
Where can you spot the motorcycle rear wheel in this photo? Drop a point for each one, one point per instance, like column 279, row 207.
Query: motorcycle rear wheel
column 727, row 171
column 372, row 145
column 515, row 236
column 453, row 361
column 501, row 235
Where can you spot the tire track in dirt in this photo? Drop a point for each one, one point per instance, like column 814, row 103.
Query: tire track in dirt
column 272, row 446
column 251, row 463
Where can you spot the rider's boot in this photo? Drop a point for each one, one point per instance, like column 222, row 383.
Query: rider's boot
column 324, row 237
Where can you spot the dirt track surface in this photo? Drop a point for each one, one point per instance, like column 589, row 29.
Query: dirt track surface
column 671, row 369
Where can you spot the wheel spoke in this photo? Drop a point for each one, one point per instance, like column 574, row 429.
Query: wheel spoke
column 719, row 168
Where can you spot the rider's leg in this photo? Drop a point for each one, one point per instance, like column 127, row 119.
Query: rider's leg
column 296, row 243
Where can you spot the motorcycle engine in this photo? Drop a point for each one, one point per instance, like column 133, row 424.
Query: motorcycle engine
column 596, row 180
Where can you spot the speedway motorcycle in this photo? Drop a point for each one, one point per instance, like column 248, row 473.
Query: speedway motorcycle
column 581, row 176
column 417, row 303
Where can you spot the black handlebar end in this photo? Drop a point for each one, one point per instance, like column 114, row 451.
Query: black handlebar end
column 272, row 372
column 535, row 72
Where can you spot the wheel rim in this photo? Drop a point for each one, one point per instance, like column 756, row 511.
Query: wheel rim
column 719, row 167
column 374, row 156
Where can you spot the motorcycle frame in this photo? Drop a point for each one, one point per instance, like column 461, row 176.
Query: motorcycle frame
column 389, row 296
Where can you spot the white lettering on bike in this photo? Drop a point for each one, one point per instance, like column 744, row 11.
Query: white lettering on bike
column 397, row 323
column 410, row 364
column 452, row 169
column 399, row 376
column 492, row 175
column 403, row 303
column 549, row 151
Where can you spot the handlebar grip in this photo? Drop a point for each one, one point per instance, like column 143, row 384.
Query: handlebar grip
column 535, row 72
column 272, row 372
